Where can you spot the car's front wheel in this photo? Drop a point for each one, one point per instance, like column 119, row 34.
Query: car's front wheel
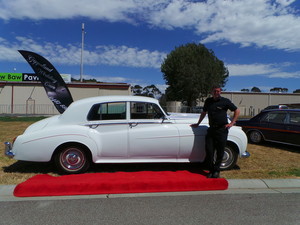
column 72, row 160
column 255, row 137
column 230, row 158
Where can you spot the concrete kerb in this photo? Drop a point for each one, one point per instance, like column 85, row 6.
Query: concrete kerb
column 236, row 186
column 263, row 183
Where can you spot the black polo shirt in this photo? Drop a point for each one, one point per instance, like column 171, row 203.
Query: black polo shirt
column 217, row 110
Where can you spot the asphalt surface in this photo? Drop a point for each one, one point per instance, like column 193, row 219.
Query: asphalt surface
column 236, row 186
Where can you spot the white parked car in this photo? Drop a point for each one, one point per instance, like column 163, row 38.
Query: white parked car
column 119, row 129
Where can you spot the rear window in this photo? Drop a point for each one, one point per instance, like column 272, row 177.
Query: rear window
column 295, row 118
column 275, row 117
column 108, row 111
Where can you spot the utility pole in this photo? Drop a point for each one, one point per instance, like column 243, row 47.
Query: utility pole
column 82, row 48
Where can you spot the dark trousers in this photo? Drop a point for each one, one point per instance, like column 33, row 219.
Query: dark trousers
column 215, row 141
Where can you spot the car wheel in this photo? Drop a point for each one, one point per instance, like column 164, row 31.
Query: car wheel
column 255, row 137
column 72, row 160
column 229, row 159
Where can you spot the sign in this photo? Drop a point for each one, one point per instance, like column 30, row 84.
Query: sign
column 11, row 77
column 30, row 77
column 54, row 85
column 19, row 77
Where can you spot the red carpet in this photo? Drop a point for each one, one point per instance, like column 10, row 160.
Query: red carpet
column 117, row 183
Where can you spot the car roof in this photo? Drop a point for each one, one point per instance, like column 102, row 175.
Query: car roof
column 79, row 109
column 281, row 110
column 116, row 98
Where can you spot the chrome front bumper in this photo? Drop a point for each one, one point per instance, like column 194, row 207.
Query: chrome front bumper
column 8, row 150
column 245, row 155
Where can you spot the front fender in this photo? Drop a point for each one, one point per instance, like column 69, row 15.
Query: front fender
column 39, row 146
column 238, row 137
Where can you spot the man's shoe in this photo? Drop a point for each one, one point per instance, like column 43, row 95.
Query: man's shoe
column 210, row 175
column 215, row 174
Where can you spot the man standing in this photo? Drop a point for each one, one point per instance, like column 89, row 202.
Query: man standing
column 216, row 107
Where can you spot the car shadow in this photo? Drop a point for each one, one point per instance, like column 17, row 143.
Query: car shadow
column 45, row 168
column 136, row 167
column 30, row 167
column 289, row 148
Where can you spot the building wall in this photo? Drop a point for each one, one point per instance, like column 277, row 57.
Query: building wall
column 249, row 103
column 252, row 103
column 31, row 98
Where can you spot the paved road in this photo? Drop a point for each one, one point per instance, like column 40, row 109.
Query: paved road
column 246, row 202
column 233, row 209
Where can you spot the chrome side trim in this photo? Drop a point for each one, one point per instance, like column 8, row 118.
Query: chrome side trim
column 245, row 155
column 130, row 123
column 8, row 150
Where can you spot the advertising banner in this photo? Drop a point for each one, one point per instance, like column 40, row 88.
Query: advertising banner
column 19, row 77
column 11, row 77
column 52, row 81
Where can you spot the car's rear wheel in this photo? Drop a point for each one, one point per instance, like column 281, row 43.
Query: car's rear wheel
column 72, row 160
column 230, row 158
column 255, row 137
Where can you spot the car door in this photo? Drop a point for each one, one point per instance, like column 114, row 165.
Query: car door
column 293, row 128
column 192, row 142
column 151, row 137
column 274, row 126
column 110, row 130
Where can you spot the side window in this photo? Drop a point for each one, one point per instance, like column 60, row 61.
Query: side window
column 108, row 111
column 275, row 117
column 295, row 118
column 143, row 110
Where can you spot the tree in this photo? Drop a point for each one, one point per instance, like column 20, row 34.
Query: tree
column 255, row 89
column 296, row 91
column 279, row 90
column 136, row 89
column 152, row 91
column 190, row 71
column 245, row 90
column 84, row 80
column 149, row 91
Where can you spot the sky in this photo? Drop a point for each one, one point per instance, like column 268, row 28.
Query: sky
column 126, row 41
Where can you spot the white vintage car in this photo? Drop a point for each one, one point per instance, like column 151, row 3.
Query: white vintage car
column 119, row 129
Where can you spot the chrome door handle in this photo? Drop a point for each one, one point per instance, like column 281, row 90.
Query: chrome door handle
column 131, row 125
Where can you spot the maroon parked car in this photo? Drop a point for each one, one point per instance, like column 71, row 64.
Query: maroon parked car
column 281, row 126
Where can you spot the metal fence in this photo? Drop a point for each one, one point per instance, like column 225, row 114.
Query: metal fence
column 250, row 112
column 46, row 109
column 34, row 109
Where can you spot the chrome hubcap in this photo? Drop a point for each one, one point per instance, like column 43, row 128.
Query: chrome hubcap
column 255, row 137
column 72, row 159
column 227, row 159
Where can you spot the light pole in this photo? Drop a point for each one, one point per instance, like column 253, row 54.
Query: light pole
column 82, row 47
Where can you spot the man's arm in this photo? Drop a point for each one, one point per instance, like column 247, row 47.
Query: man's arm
column 234, row 119
column 202, row 115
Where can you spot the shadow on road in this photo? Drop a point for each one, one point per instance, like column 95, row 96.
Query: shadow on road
column 44, row 168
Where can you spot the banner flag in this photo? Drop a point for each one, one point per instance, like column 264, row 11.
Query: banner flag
column 52, row 81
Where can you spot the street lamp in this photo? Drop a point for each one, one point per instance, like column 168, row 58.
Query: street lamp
column 82, row 46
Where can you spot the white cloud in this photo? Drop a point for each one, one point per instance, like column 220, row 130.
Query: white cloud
column 123, row 55
column 267, row 70
column 65, row 9
column 251, row 69
column 285, row 75
column 71, row 54
column 261, row 23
